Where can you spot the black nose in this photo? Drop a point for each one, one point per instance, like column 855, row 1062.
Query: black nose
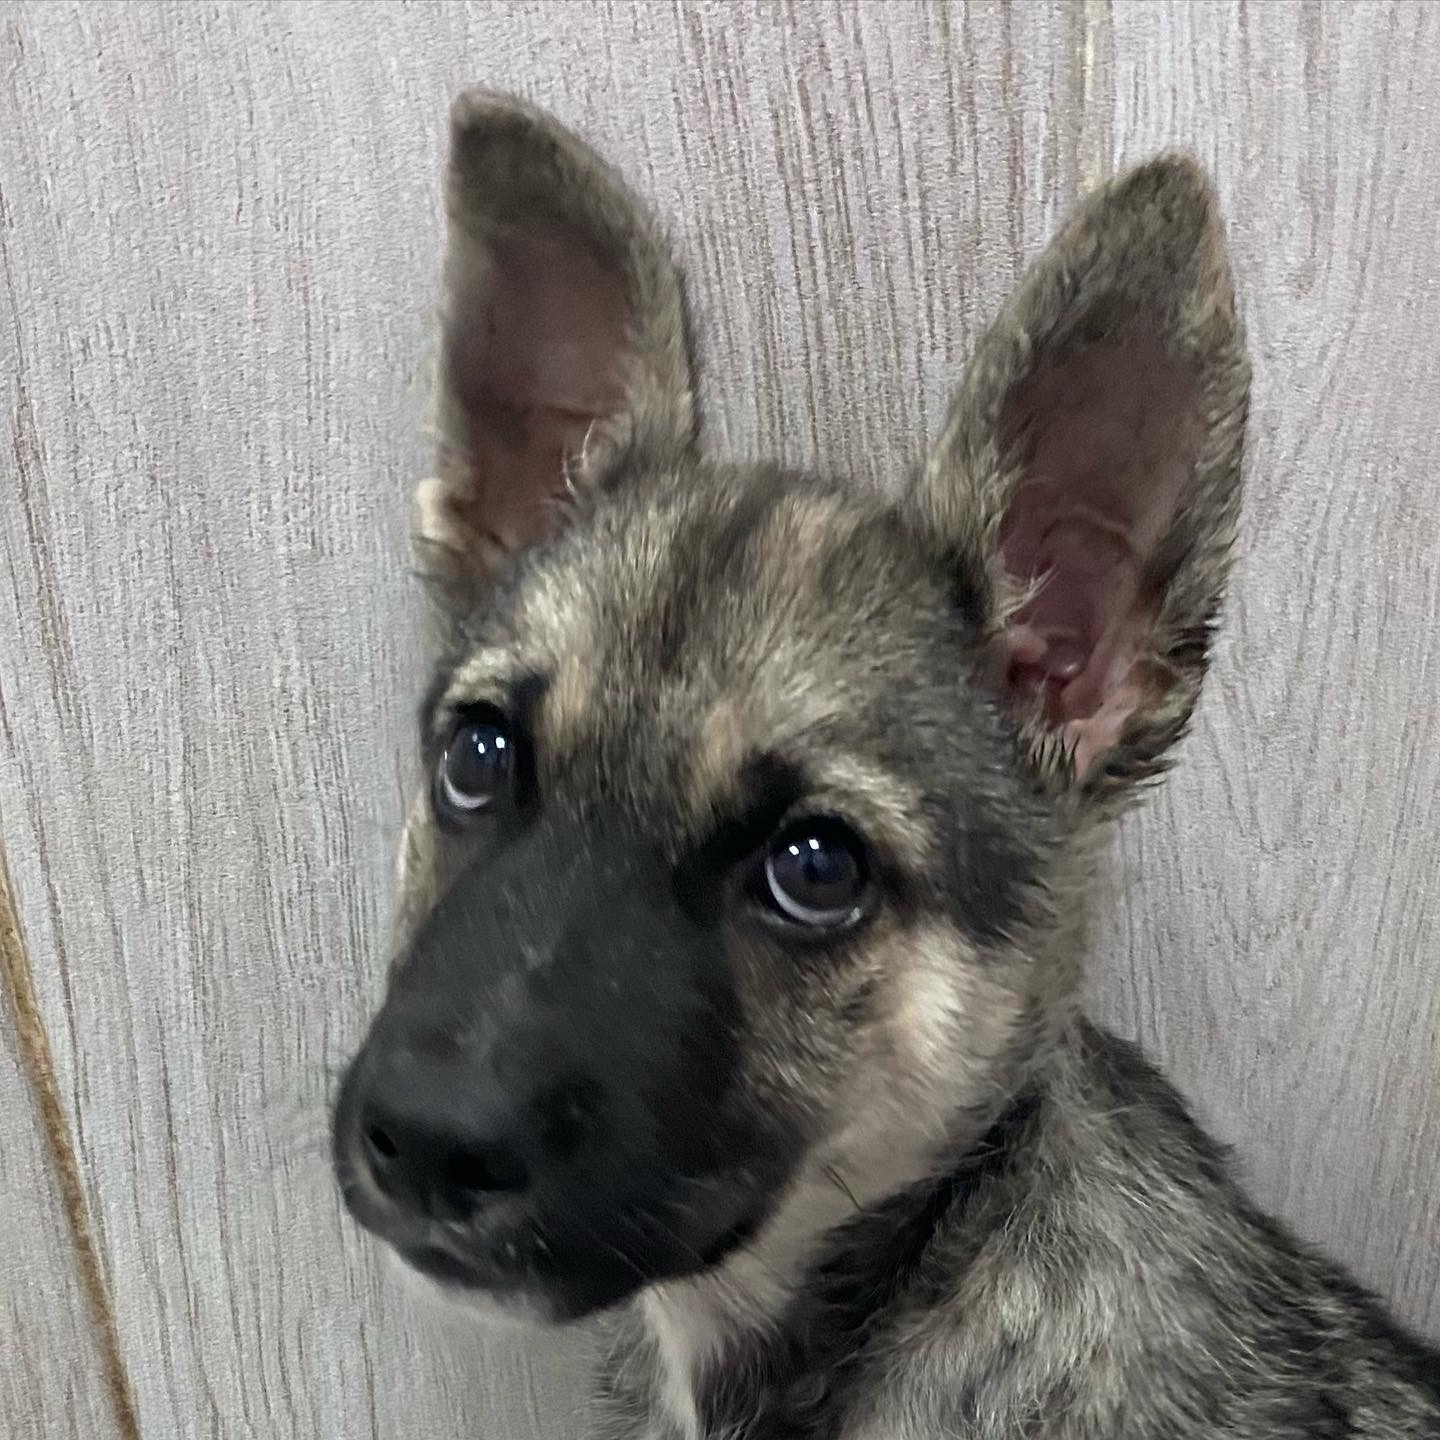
column 435, row 1141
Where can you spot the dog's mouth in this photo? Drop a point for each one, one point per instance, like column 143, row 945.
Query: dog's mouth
column 509, row 1271
column 445, row 1267
column 573, row 1262
column 569, row 1285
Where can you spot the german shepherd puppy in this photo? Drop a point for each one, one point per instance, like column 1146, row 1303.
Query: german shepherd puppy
column 743, row 909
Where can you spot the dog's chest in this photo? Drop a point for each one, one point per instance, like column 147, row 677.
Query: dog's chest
column 803, row 1410
column 790, row 1389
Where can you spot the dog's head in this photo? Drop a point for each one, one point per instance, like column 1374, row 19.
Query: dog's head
column 756, row 812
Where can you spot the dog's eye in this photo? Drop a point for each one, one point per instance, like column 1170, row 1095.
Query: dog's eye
column 817, row 873
column 475, row 767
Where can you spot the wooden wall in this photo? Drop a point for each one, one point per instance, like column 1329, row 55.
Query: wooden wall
column 219, row 233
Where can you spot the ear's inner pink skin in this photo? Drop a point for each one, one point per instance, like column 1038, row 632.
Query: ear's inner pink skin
column 1063, row 641
column 1104, row 461
column 537, row 365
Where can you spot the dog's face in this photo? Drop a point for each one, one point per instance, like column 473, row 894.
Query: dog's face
column 746, row 863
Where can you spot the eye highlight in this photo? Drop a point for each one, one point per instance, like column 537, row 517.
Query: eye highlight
column 475, row 768
column 817, row 874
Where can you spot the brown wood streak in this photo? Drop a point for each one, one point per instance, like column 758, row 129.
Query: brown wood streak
column 39, row 1064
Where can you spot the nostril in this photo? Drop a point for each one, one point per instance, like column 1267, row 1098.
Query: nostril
column 380, row 1149
column 445, row 1161
column 486, row 1170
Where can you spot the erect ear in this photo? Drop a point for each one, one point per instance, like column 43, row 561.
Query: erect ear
column 564, row 340
column 1087, row 482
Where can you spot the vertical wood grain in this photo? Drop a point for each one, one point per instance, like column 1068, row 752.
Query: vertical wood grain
column 220, row 235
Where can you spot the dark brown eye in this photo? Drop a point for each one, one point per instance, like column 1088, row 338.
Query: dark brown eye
column 475, row 768
column 817, row 875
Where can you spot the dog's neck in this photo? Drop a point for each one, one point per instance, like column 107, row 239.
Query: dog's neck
column 784, row 1313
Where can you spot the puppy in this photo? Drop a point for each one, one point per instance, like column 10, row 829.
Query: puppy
column 743, row 909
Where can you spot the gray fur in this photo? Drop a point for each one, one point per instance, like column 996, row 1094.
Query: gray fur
column 994, row 1221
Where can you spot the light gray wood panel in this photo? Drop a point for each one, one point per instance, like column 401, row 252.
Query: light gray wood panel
column 221, row 227
column 52, row 1379
column 1280, row 944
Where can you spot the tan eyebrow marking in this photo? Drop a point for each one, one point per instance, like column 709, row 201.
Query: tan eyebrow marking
column 483, row 675
column 886, row 805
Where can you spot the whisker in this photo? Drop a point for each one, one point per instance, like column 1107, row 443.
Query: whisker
column 597, row 1239
column 838, row 1181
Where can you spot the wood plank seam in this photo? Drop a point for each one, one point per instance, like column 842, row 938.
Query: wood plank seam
column 38, row 1060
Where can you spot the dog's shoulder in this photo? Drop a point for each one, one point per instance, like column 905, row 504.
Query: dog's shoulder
column 1109, row 1277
